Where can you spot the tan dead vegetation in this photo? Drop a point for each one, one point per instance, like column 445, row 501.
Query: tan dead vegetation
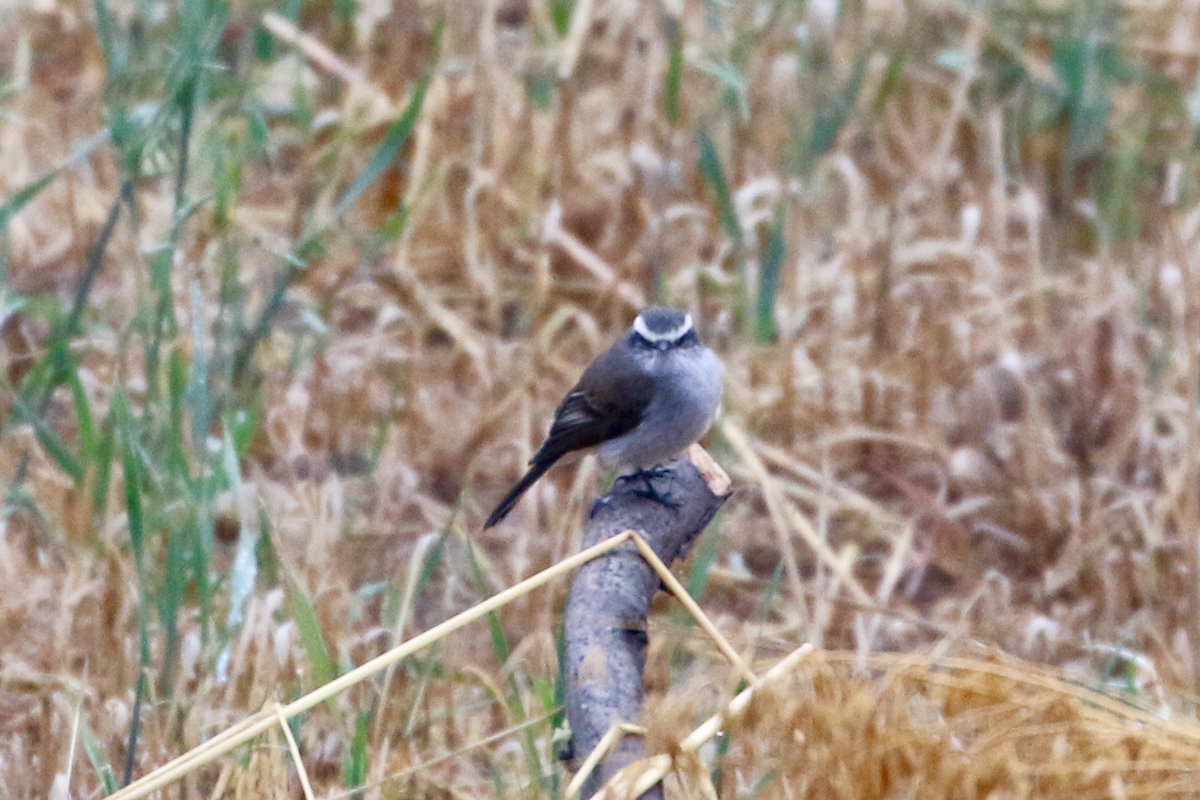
column 976, row 433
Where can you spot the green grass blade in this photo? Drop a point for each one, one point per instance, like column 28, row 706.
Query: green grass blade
column 162, row 321
column 501, row 649
column 354, row 769
column 704, row 556
column 294, row 269
column 177, row 370
column 25, row 195
column 104, row 32
column 170, row 598
column 771, row 266
column 97, row 757
column 673, row 33
column 560, row 15
column 51, row 442
column 709, row 164
column 84, row 421
column 131, row 469
column 833, row 113
column 397, row 133
column 196, row 393
column 9, row 303
column 103, row 461
column 304, row 614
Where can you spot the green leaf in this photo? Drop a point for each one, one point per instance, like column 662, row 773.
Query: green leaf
column 195, row 394
column 830, row 117
column 703, row 557
column 96, row 755
column 177, row 370
column 135, row 515
column 103, row 461
column 673, row 33
column 10, row 304
column 131, row 468
column 729, row 76
column 24, row 195
column 771, row 265
column 397, row 133
column 104, row 32
column 709, row 164
column 560, row 15
column 51, row 442
column 500, row 646
column 171, row 596
column 83, row 418
column 309, row 625
column 20, row 198
column 354, row 770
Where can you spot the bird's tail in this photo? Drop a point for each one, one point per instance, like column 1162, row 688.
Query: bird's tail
column 510, row 500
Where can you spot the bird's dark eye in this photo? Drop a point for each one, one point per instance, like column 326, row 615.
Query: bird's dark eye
column 689, row 339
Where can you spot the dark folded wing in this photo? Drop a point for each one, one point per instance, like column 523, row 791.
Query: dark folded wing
column 579, row 424
column 607, row 402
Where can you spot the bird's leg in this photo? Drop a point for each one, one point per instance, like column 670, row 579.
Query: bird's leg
column 647, row 476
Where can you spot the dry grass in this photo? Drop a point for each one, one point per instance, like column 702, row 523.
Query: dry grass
column 951, row 258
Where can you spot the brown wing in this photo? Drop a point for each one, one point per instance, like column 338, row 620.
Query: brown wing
column 607, row 402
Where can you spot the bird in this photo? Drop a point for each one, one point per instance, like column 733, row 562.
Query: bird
column 653, row 393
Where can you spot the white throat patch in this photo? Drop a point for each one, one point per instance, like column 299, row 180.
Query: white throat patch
column 673, row 335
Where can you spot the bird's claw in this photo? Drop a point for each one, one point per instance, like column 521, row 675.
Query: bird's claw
column 649, row 492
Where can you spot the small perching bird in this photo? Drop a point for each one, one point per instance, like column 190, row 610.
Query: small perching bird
column 645, row 399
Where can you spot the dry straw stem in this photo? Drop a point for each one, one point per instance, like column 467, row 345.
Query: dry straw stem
column 681, row 594
column 291, row 741
column 415, row 562
column 407, row 771
column 740, row 443
column 712, row 726
column 581, row 19
column 785, row 517
column 319, row 54
column 1092, row 703
column 313, row 48
column 606, row 743
column 554, row 234
column 641, row 775
column 253, row 726
column 826, row 488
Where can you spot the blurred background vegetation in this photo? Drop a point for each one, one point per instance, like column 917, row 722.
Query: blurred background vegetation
column 290, row 292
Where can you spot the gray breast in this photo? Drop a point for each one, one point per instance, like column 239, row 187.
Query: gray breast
column 687, row 393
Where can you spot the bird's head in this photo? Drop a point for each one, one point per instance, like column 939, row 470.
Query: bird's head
column 661, row 328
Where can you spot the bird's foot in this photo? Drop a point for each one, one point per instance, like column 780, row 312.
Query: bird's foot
column 650, row 491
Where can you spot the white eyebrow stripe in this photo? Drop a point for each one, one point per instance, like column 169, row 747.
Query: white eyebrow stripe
column 639, row 325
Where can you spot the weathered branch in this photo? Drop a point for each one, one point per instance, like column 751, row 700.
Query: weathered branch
column 610, row 601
